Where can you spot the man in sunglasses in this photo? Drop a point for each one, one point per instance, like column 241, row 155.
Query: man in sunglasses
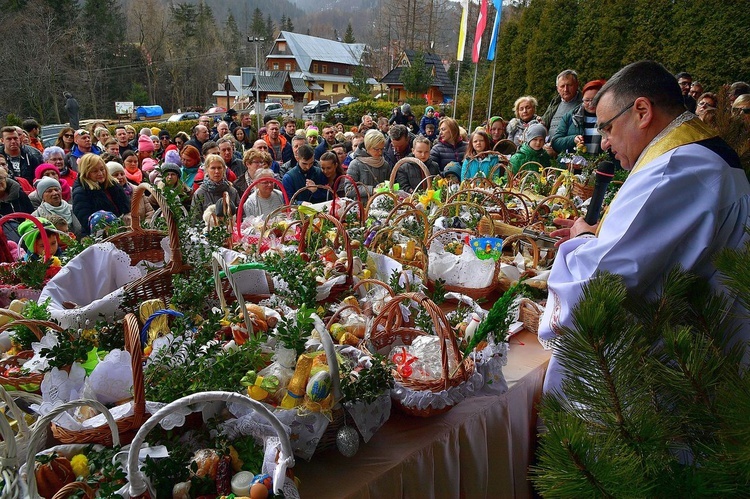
column 687, row 198
column 82, row 144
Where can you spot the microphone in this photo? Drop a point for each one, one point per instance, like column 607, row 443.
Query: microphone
column 604, row 174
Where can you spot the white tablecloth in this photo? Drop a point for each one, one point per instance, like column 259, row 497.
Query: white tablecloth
column 480, row 448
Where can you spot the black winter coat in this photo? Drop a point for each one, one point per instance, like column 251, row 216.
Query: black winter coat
column 87, row 202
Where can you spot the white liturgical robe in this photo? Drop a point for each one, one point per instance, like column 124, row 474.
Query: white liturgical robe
column 678, row 208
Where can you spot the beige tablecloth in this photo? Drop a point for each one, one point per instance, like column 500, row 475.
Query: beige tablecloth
column 480, row 448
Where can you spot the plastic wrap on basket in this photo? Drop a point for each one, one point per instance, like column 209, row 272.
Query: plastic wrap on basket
column 139, row 484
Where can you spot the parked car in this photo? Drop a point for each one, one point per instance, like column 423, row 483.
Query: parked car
column 49, row 134
column 271, row 110
column 317, row 107
column 346, row 101
column 192, row 115
column 216, row 110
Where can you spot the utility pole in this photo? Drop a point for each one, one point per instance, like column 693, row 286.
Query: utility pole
column 255, row 40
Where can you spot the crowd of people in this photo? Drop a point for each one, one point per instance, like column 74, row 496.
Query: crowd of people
column 95, row 170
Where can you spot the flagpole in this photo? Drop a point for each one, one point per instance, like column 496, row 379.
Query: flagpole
column 492, row 90
column 455, row 93
column 473, row 91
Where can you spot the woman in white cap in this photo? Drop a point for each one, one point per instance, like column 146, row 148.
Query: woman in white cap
column 49, row 191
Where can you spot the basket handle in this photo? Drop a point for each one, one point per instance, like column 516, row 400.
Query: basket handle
column 248, row 191
column 39, row 225
column 10, row 454
column 530, row 240
column 33, row 324
column 18, row 414
column 286, row 458
column 151, row 318
column 218, row 264
column 348, row 178
column 133, row 346
column 69, row 489
column 39, row 436
column 333, row 363
column 341, row 235
column 403, row 161
column 172, row 233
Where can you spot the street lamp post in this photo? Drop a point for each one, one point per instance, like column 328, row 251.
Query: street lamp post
column 255, row 40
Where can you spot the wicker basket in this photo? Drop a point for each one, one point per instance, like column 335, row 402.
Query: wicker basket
column 39, row 437
column 503, row 282
column 27, row 381
column 9, row 462
column 341, row 240
column 23, row 431
column 138, row 486
column 530, row 313
column 583, row 191
column 127, row 426
column 472, row 292
column 387, row 328
column 145, row 244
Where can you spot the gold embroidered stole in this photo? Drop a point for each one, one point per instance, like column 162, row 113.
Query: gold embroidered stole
column 689, row 132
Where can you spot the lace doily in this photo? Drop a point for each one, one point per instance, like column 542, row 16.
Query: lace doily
column 94, row 281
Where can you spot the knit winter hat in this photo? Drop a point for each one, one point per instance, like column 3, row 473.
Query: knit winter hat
column 29, row 232
column 115, row 167
column 535, row 130
column 39, row 171
column 312, row 131
column 173, row 156
column 148, row 165
column 192, row 153
column 46, row 183
column 145, row 144
column 170, row 167
column 155, row 130
column 428, row 109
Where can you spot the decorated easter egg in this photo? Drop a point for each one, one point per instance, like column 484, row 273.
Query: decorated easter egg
column 319, row 386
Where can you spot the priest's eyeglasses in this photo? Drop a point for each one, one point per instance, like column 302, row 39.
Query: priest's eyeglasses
column 604, row 128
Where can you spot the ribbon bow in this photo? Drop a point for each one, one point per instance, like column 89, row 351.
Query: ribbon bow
column 403, row 361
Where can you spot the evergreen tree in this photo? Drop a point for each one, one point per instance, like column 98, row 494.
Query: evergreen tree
column 417, row 76
column 257, row 25
column 270, row 29
column 349, row 35
column 232, row 41
column 549, row 50
column 656, row 398
column 650, row 33
column 289, row 25
column 282, row 23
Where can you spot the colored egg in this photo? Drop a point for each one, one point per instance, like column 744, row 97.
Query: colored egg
column 265, row 479
column 258, row 491
column 319, row 386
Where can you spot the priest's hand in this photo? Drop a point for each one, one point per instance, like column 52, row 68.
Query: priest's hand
column 571, row 228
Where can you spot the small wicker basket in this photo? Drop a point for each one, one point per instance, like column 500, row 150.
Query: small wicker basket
column 387, row 328
column 127, row 426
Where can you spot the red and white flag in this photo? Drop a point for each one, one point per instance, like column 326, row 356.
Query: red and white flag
column 481, row 24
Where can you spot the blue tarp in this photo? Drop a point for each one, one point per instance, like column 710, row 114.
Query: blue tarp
column 148, row 111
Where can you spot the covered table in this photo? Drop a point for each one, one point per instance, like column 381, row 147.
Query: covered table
column 480, row 448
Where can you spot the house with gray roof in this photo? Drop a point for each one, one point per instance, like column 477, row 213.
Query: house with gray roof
column 440, row 91
column 326, row 66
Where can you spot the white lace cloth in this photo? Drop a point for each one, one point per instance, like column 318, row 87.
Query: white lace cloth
column 487, row 379
column 94, row 281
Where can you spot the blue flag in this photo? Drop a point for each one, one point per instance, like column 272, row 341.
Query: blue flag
column 495, row 29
